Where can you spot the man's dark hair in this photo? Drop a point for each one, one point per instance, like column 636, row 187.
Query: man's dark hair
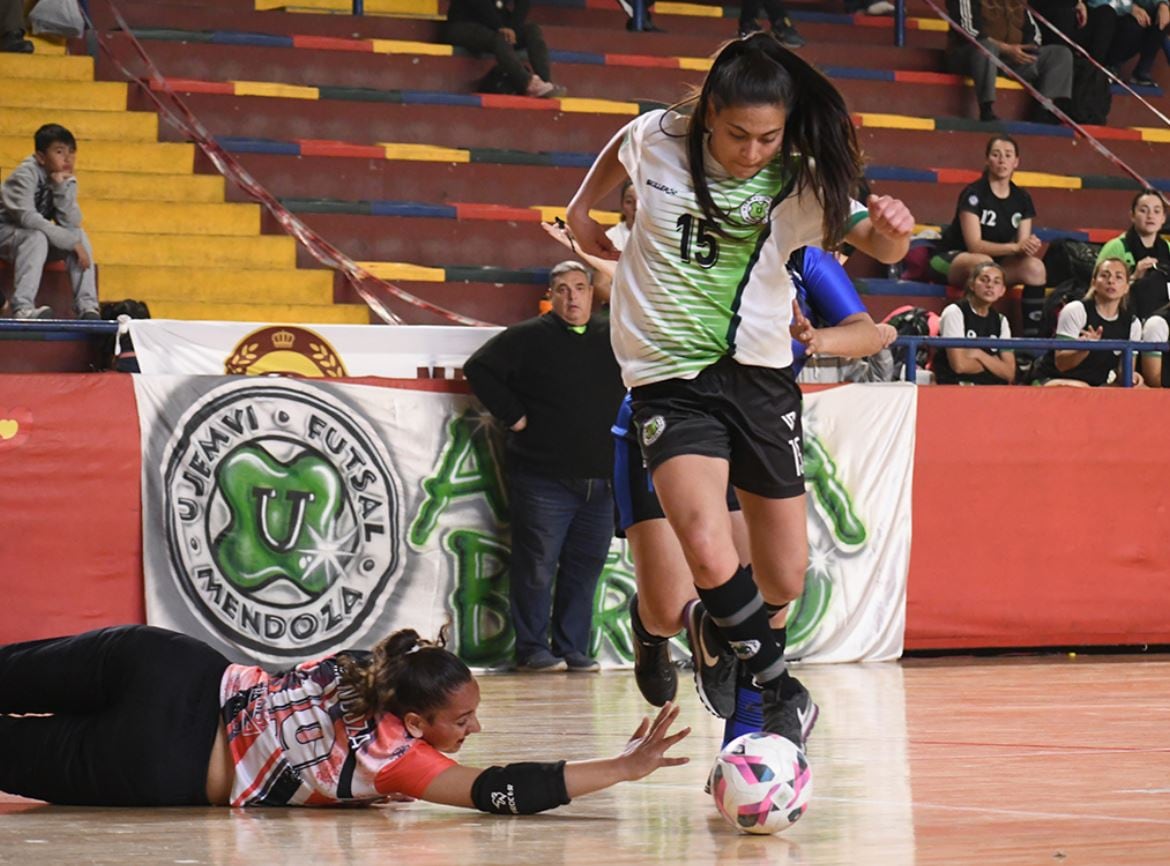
column 53, row 133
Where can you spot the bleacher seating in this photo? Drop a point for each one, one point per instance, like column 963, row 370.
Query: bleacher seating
column 368, row 130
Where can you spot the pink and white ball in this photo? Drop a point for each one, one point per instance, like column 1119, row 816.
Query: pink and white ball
column 761, row 783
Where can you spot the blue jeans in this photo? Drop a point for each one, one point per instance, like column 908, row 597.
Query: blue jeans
column 561, row 529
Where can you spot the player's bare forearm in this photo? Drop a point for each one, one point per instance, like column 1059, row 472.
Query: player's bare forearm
column 856, row 337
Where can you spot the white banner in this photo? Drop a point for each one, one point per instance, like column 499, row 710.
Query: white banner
column 166, row 346
column 288, row 518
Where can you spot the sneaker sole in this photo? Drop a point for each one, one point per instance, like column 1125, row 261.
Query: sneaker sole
column 694, row 638
column 808, row 725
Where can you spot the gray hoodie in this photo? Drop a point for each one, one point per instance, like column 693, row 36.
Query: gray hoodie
column 59, row 216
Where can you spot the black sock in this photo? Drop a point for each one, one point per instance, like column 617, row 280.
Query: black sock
column 640, row 634
column 738, row 611
column 1031, row 310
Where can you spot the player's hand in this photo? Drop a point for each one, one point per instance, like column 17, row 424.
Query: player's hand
column 1082, row 12
column 82, row 256
column 1140, row 15
column 559, row 233
column 1144, row 265
column 519, row 425
column 646, row 750
column 1163, row 14
column 890, row 217
column 1030, row 246
column 590, row 236
column 509, row 35
column 802, row 329
column 1091, row 333
column 889, row 333
column 59, row 177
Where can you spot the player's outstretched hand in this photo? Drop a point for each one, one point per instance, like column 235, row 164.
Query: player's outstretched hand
column 888, row 332
column 890, row 216
column 590, row 236
column 646, row 750
column 802, row 329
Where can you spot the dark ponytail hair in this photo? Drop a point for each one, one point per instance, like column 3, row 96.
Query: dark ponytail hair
column 404, row 674
column 819, row 142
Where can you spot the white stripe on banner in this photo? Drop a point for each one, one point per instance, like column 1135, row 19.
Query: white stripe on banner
column 167, row 346
column 290, row 518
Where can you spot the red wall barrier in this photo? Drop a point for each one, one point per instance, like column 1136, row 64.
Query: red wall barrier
column 1040, row 515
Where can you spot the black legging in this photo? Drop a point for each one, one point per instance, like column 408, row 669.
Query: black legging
column 135, row 714
column 483, row 40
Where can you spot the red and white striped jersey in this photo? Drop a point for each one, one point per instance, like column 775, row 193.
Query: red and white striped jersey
column 295, row 744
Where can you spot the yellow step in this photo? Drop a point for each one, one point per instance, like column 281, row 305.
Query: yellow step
column 46, row 44
column 126, row 186
column 99, row 185
column 169, row 217
column 131, row 156
column 215, row 285
column 185, row 251
column 50, row 67
column 85, row 125
column 305, row 314
column 50, row 95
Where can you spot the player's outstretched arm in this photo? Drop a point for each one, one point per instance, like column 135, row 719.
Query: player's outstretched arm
column 605, row 174
column 527, row 788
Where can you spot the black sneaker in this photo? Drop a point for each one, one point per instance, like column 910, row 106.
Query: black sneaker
column 1142, row 79
column 654, row 672
column 715, row 663
column 791, row 717
column 785, row 33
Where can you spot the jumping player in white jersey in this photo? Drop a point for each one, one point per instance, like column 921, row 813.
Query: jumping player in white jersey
column 700, row 312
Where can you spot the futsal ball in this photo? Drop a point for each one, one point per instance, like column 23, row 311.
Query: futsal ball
column 761, row 783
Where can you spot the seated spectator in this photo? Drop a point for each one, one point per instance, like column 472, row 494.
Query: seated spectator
column 12, row 28
column 782, row 27
column 993, row 222
column 1119, row 29
column 1145, row 253
column 501, row 28
column 1103, row 315
column 1067, row 16
column 40, row 221
column 1155, row 370
column 974, row 317
column 1007, row 31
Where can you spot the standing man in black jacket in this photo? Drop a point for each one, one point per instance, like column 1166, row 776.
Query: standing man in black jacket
column 500, row 27
column 554, row 383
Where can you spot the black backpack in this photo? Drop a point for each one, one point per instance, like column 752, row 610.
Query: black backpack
column 1071, row 260
column 125, row 361
column 1061, row 294
column 1091, row 96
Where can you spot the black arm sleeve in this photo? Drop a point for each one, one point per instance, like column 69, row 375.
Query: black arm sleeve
column 520, row 789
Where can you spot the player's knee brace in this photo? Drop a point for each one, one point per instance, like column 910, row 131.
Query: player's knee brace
column 520, row 789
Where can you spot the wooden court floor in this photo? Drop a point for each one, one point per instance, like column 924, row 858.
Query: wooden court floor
column 1051, row 760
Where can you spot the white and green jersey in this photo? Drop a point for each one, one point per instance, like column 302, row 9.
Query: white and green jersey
column 683, row 295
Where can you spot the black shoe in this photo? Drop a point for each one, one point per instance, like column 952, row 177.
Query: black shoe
column 785, row 33
column 715, row 663
column 791, row 716
column 987, row 115
column 1142, row 79
column 654, row 672
column 748, row 29
column 14, row 42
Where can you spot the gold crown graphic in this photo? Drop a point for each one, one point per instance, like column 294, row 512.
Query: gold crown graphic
column 283, row 339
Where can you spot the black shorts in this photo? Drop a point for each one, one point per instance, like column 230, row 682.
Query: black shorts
column 633, row 490
column 749, row 416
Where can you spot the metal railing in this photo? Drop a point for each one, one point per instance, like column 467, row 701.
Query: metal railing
column 1029, row 344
